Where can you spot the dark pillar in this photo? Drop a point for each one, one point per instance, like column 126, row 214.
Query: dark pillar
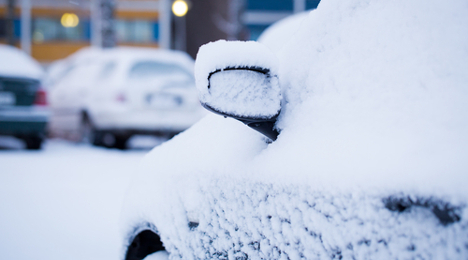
column 10, row 23
column 211, row 20
column 107, row 23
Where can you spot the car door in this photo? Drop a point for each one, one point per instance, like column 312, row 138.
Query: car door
column 69, row 96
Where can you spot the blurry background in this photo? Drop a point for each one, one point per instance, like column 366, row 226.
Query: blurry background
column 53, row 29
column 79, row 78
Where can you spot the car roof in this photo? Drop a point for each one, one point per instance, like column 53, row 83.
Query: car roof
column 125, row 57
column 130, row 55
column 16, row 63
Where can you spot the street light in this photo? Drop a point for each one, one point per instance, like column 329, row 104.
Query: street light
column 180, row 8
column 69, row 20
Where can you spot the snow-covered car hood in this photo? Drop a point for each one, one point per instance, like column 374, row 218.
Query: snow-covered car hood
column 371, row 159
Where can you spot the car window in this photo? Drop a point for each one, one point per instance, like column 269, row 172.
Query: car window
column 151, row 69
column 83, row 74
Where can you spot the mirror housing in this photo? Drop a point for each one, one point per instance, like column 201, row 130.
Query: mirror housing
column 244, row 89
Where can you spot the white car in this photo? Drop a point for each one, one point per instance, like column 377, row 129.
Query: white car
column 111, row 95
column 356, row 144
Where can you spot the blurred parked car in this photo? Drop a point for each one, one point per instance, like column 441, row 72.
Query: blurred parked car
column 23, row 105
column 60, row 68
column 108, row 96
column 359, row 151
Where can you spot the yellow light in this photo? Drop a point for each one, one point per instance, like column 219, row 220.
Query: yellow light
column 179, row 8
column 38, row 37
column 69, row 20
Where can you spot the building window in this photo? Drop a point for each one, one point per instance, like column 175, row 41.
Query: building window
column 270, row 5
column 2, row 28
column 255, row 31
column 51, row 29
column 135, row 31
column 312, row 4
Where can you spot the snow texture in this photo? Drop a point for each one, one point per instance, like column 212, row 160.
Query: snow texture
column 127, row 56
column 370, row 162
column 245, row 93
column 251, row 220
column 16, row 63
column 238, row 92
column 160, row 255
column 64, row 201
column 201, row 213
column 279, row 33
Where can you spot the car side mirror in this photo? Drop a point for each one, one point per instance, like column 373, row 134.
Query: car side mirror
column 240, row 80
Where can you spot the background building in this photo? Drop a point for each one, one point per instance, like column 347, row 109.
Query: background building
column 60, row 27
column 260, row 14
column 53, row 29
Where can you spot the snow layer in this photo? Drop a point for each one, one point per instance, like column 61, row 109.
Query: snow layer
column 16, row 63
column 62, row 202
column 244, row 93
column 374, row 108
column 160, row 255
column 60, row 68
column 244, row 216
column 279, row 33
column 382, row 96
column 127, row 55
column 240, row 92
column 258, row 220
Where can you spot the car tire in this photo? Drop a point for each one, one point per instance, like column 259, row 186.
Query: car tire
column 33, row 142
column 145, row 244
column 89, row 134
column 121, row 142
column 98, row 138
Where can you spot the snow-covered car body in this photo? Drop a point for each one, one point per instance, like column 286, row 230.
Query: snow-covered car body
column 126, row 91
column 370, row 162
column 23, row 107
column 60, row 68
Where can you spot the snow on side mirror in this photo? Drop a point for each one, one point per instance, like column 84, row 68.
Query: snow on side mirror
column 240, row 80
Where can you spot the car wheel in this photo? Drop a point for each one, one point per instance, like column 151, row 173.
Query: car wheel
column 121, row 142
column 144, row 246
column 89, row 134
column 33, row 142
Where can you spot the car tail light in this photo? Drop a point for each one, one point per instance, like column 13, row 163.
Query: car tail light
column 41, row 98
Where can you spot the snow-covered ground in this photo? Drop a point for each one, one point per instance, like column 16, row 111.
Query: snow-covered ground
column 64, row 201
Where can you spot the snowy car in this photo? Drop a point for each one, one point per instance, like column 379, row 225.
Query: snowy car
column 23, row 106
column 107, row 96
column 349, row 142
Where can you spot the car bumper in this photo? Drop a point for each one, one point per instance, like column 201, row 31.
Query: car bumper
column 20, row 121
